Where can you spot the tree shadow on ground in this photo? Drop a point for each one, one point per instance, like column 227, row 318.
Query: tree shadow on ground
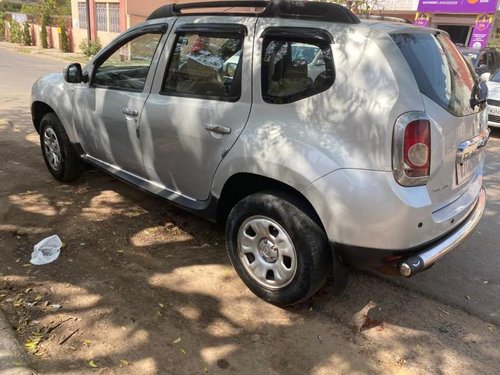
column 136, row 274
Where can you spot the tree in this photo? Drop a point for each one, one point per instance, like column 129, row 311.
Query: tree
column 2, row 25
column 357, row 6
column 48, row 8
column 63, row 37
column 27, row 34
column 43, row 33
column 16, row 34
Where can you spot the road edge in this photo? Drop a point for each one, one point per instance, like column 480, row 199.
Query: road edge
column 13, row 359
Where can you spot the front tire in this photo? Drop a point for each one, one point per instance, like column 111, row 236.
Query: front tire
column 59, row 154
column 280, row 252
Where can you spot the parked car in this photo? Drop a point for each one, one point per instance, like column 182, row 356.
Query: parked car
column 486, row 60
column 374, row 158
column 494, row 100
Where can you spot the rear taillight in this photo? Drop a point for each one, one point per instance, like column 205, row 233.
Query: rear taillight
column 412, row 149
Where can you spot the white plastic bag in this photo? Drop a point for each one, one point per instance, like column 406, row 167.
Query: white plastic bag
column 46, row 251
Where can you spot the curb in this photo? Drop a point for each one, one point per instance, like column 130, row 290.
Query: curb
column 47, row 53
column 12, row 357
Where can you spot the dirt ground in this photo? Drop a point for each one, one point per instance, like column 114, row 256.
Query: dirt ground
column 144, row 288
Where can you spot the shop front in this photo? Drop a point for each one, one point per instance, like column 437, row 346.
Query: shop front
column 470, row 23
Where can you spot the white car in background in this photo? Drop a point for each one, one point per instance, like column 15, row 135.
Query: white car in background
column 494, row 100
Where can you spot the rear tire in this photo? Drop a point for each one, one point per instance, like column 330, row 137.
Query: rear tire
column 59, row 154
column 280, row 253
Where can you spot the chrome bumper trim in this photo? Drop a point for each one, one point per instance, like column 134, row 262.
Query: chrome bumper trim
column 424, row 259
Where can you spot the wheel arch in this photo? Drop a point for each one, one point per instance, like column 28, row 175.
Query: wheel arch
column 241, row 185
column 38, row 110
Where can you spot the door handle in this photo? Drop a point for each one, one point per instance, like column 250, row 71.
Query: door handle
column 217, row 129
column 130, row 112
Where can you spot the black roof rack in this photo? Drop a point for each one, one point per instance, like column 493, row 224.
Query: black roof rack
column 383, row 18
column 306, row 10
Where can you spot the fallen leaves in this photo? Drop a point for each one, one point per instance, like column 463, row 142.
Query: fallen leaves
column 32, row 344
column 92, row 364
column 177, row 340
column 159, row 310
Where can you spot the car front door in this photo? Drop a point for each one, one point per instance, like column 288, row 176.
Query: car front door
column 107, row 109
column 199, row 103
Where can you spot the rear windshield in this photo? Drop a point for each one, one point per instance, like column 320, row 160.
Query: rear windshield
column 440, row 70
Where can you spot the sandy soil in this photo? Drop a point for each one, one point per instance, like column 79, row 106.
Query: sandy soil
column 144, row 288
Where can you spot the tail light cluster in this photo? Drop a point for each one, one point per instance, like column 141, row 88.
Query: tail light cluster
column 411, row 149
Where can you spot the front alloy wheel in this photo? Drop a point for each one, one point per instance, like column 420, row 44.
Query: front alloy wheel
column 52, row 149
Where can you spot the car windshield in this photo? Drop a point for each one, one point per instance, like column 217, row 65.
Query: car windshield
column 304, row 52
column 439, row 69
column 495, row 77
column 471, row 56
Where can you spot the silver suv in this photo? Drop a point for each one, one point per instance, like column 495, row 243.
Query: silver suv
column 319, row 141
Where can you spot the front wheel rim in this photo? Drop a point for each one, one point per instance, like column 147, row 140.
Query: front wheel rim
column 266, row 252
column 52, row 148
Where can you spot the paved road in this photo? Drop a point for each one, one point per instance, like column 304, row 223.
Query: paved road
column 469, row 278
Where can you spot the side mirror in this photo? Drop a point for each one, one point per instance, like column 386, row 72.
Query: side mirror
column 320, row 62
column 73, row 73
column 485, row 77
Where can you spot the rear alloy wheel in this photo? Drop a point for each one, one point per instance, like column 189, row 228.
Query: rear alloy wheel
column 60, row 156
column 266, row 251
column 279, row 251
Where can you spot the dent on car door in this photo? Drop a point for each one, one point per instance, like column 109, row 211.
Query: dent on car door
column 109, row 107
column 199, row 104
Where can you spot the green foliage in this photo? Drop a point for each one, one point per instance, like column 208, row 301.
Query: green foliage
column 16, row 33
column 357, row 6
column 44, row 35
column 2, row 26
column 63, row 37
column 9, row 6
column 90, row 49
column 47, row 9
column 27, row 34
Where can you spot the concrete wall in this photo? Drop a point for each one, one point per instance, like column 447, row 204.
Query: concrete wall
column 105, row 37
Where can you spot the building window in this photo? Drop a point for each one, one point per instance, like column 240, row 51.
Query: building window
column 114, row 17
column 82, row 16
column 102, row 17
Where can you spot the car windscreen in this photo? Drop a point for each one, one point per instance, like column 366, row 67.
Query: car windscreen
column 439, row 69
column 471, row 56
column 495, row 77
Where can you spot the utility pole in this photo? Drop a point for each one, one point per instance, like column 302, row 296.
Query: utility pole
column 89, row 32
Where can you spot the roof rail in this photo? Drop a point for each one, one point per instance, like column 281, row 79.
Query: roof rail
column 383, row 18
column 307, row 10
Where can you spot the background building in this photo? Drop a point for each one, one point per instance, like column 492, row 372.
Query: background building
column 464, row 20
column 111, row 17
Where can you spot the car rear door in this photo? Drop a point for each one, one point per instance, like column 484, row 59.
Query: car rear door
column 199, row 103
column 108, row 108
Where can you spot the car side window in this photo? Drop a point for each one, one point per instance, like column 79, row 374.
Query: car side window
column 205, row 66
column 128, row 66
column 294, row 69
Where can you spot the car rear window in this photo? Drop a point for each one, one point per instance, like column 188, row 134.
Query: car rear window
column 439, row 69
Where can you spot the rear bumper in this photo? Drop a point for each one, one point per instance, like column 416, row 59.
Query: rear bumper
column 428, row 256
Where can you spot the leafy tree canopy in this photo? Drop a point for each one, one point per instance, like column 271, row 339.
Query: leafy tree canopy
column 42, row 10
